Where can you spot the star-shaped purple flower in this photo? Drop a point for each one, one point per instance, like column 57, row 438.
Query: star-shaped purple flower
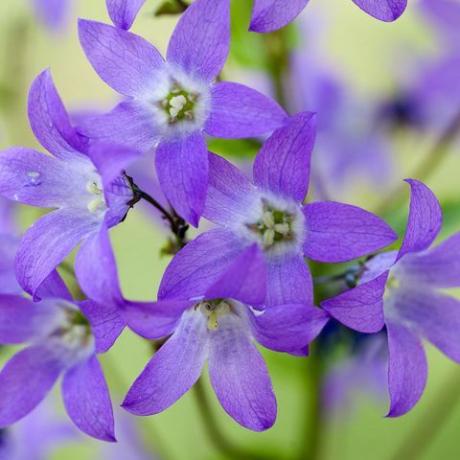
column 173, row 104
column 60, row 342
column 219, row 325
column 84, row 184
column 270, row 212
column 403, row 289
column 271, row 15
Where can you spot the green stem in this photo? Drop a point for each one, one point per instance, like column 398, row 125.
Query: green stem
column 215, row 435
column 312, row 430
column 277, row 51
column 430, row 424
column 425, row 170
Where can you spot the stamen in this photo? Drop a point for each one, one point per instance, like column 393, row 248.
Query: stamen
column 275, row 226
column 214, row 310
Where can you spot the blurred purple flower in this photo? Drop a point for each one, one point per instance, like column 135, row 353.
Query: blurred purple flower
column 8, row 247
column 36, row 436
column 129, row 445
column 8, row 223
column 363, row 371
column 53, row 14
column 270, row 15
column 350, row 143
column 404, row 287
column 173, row 104
column 84, row 184
column 270, row 213
column 219, row 325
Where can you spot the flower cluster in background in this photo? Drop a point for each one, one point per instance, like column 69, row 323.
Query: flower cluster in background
column 249, row 185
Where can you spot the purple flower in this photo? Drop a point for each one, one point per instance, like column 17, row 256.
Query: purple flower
column 8, row 248
column 270, row 15
column 85, row 185
column 219, row 325
column 36, row 436
column 348, row 144
column 270, row 213
column 445, row 16
column 361, row 372
column 60, row 342
column 172, row 104
column 8, row 224
column 124, row 12
column 52, row 13
column 130, row 443
column 405, row 286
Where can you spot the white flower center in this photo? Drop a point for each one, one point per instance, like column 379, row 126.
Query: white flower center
column 277, row 225
column 180, row 103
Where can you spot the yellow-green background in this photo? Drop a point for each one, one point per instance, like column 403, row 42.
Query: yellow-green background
column 373, row 56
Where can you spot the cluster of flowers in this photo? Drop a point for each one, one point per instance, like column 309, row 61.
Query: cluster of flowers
column 242, row 282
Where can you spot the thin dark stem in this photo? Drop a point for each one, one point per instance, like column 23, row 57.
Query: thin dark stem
column 433, row 160
column 423, row 433
column 215, row 435
column 177, row 225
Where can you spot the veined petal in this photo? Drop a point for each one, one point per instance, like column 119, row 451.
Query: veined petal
column 289, row 281
column 201, row 40
column 238, row 111
column 50, row 122
column 433, row 315
column 87, row 399
column 407, row 369
column 48, row 242
column 155, row 320
column 96, row 269
column 424, row 221
column 107, row 323
column 130, row 123
column 270, row 15
column 25, row 381
column 338, row 232
column 437, row 267
column 173, row 370
column 54, row 288
column 37, row 179
column 288, row 328
column 239, row 376
column 230, row 193
column 385, row 10
column 182, row 168
column 124, row 12
column 377, row 265
column 22, row 320
column 125, row 61
column 244, row 280
column 360, row 308
column 197, row 266
column 283, row 164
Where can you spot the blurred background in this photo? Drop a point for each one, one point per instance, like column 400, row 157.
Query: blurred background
column 385, row 94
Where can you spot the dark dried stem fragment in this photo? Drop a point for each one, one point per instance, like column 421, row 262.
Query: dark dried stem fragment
column 176, row 223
